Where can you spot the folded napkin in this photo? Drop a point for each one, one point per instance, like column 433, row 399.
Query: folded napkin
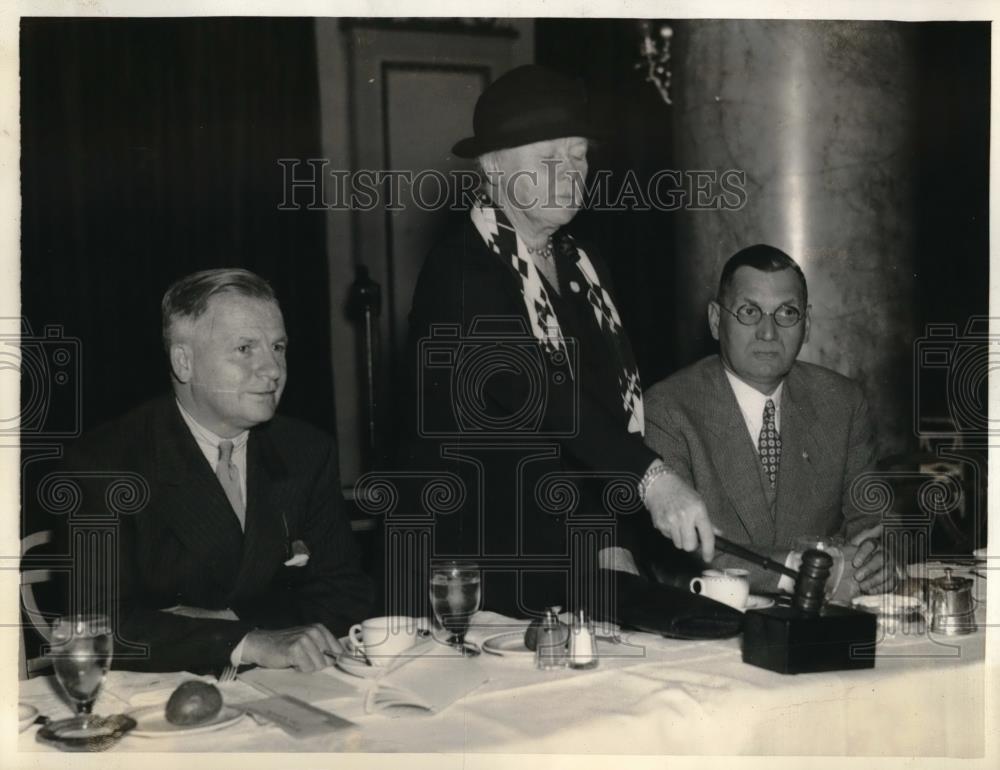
column 486, row 624
column 300, row 555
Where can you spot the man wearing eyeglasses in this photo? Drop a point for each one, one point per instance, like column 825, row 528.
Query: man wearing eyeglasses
column 772, row 444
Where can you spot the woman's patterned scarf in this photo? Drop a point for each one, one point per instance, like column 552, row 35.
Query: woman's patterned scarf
column 499, row 235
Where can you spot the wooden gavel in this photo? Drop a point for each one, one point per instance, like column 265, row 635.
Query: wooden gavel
column 810, row 580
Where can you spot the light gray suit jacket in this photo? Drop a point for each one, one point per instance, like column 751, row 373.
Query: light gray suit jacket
column 694, row 423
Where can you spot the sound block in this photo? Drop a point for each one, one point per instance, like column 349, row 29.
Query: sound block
column 785, row 640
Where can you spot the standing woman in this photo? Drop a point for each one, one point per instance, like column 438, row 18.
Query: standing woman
column 524, row 382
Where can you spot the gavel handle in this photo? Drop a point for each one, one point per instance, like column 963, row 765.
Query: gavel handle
column 755, row 558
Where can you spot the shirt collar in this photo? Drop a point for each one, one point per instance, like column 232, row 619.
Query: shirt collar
column 750, row 399
column 203, row 434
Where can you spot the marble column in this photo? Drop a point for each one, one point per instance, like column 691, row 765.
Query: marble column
column 817, row 115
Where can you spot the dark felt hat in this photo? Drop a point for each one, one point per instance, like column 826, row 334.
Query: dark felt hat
column 528, row 104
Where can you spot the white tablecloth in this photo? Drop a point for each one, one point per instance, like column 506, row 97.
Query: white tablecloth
column 925, row 697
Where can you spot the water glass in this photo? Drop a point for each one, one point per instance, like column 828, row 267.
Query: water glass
column 455, row 595
column 81, row 654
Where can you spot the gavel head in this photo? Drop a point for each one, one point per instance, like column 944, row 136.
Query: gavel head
column 810, row 587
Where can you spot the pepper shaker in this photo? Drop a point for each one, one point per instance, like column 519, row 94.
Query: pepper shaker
column 551, row 650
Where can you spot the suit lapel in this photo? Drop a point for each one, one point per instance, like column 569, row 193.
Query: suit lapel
column 267, row 524
column 736, row 457
column 801, row 453
column 193, row 502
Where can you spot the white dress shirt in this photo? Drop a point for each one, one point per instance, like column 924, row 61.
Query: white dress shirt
column 209, row 442
column 751, row 402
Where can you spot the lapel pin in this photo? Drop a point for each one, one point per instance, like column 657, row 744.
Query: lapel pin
column 805, row 455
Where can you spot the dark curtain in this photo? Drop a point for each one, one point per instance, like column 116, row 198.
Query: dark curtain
column 951, row 210
column 149, row 150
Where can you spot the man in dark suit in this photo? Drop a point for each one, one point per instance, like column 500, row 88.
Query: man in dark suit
column 772, row 444
column 243, row 553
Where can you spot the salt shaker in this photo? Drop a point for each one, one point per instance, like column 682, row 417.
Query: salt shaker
column 582, row 644
column 551, row 650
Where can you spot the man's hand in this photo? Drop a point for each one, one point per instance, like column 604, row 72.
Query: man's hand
column 848, row 587
column 680, row 514
column 875, row 569
column 301, row 647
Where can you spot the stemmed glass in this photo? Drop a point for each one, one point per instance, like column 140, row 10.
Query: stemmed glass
column 81, row 654
column 454, row 599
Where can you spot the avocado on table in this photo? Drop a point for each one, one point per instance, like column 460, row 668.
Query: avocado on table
column 193, row 703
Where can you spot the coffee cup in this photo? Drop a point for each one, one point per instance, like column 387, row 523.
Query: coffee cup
column 383, row 639
column 731, row 586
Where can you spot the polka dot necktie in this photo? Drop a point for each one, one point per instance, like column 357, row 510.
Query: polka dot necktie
column 769, row 444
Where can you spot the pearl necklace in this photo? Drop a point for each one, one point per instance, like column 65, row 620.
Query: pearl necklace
column 545, row 252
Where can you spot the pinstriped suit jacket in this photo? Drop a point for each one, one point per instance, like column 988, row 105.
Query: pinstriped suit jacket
column 185, row 547
column 694, row 423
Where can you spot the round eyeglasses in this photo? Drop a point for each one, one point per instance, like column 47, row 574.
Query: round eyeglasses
column 751, row 315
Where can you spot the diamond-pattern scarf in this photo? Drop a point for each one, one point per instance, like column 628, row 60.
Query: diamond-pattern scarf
column 500, row 236
column 629, row 384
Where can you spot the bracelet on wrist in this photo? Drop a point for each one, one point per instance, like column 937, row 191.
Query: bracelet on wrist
column 652, row 473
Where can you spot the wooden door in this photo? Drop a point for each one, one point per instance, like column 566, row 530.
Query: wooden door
column 413, row 90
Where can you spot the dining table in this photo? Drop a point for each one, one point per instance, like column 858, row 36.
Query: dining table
column 926, row 696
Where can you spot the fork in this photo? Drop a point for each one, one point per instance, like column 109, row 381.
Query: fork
column 228, row 674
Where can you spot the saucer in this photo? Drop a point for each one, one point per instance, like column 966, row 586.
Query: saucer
column 152, row 722
column 510, row 643
column 887, row 604
column 356, row 666
column 755, row 602
column 895, row 612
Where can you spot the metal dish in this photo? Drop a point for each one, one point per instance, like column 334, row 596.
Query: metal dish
column 93, row 734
